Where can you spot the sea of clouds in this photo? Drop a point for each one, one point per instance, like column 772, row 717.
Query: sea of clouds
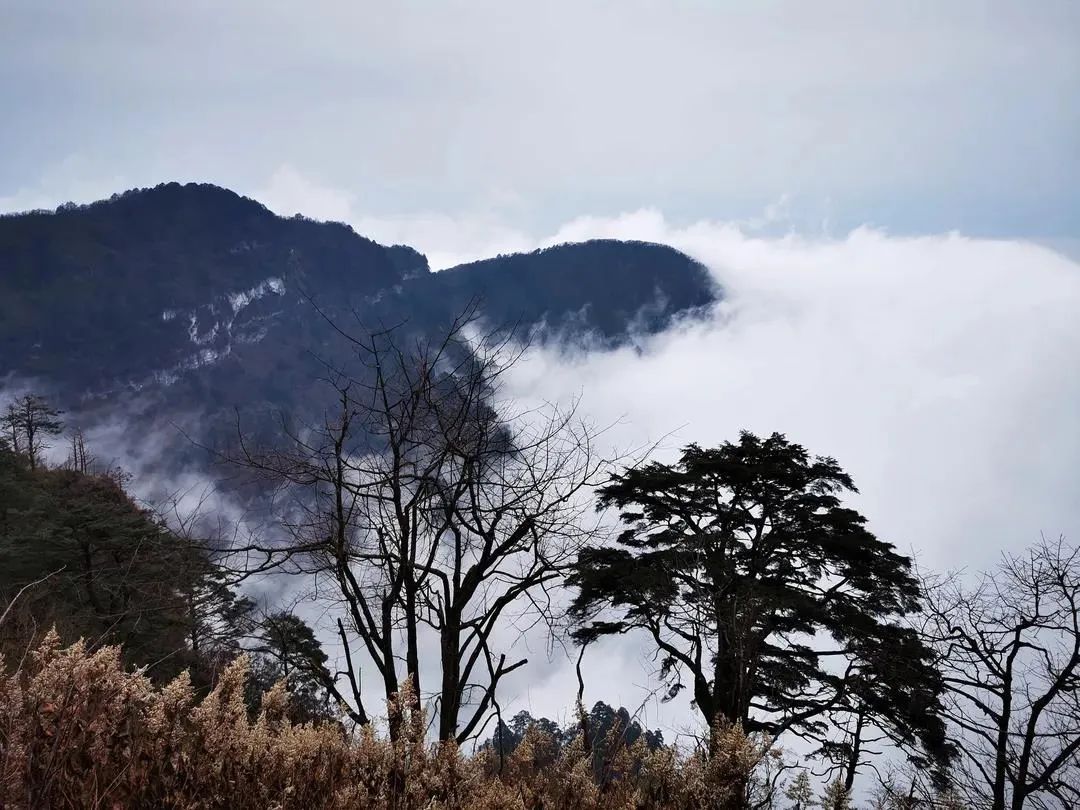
column 943, row 372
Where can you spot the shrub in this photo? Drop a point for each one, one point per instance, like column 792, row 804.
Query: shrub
column 77, row 730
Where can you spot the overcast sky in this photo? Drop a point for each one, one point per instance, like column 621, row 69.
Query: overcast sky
column 817, row 156
column 915, row 116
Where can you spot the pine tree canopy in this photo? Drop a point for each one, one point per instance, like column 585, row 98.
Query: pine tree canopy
column 762, row 589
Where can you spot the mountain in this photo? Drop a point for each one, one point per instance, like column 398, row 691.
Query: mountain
column 151, row 282
column 200, row 297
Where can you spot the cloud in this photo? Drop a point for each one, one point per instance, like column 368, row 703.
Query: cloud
column 75, row 178
column 935, row 368
column 289, row 192
column 941, row 371
column 917, row 115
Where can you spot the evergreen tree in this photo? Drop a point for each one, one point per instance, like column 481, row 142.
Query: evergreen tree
column 218, row 620
column 836, row 797
column 762, row 589
column 288, row 650
column 800, row 792
column 609, row 730
column 115, row 574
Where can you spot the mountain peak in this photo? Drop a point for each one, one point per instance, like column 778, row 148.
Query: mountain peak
column 194, row 281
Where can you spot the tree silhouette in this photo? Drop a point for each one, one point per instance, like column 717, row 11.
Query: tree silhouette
column 29, row 423
column 757, row 585
column 288, row 650
column 1008, row 645
column 428, row 513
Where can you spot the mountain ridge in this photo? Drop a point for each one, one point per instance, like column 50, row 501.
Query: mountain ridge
column 205, row 300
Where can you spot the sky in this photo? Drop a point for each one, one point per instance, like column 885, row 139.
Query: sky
column 888, row 194
column 916, row 117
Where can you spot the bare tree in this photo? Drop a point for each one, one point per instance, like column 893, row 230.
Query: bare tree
column 907, row 786
column 79, row 458
column 435, row 512
column 1009, row 647
column 861, row 740
column 30, row 422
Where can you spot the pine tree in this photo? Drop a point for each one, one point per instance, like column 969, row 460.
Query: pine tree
column 288, row 650
column 836, row 797
column 729, row 560
column 115, row 574
column 800, row 792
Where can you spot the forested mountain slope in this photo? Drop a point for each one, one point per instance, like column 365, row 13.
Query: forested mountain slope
column 178, row 281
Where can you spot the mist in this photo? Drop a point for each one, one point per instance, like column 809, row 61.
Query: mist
column 940, row 371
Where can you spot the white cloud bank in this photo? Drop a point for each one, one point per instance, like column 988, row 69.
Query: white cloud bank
column 942, row 372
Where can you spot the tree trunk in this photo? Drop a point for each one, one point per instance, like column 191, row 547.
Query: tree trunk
column 450, row 700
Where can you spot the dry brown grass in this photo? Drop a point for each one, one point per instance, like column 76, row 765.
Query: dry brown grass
column 78, row 731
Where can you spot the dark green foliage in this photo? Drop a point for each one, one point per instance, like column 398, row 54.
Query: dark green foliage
column 107, row 571
column 131, row 305
column 217, row 619
column 508, row 736
column 285, row 648
column 83, row 290
column 763, row 590
column 611, row 729
column 602, row 287
column 102, row 568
